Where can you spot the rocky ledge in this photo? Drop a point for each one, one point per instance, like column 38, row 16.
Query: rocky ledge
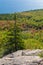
column 23, row 57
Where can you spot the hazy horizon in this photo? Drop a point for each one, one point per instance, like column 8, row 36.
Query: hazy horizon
column 11, row 6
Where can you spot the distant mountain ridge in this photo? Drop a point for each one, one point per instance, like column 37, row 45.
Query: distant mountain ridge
column 10, row 16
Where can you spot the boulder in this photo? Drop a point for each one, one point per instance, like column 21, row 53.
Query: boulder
column 22, row 57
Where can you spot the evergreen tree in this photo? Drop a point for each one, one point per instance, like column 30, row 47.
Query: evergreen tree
column 14, row 38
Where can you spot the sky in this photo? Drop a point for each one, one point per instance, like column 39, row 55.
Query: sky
column 11, row 6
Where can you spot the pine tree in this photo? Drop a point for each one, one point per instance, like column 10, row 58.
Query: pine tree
column 14, row 38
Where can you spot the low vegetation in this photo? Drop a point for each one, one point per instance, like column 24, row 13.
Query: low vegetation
column 31, row 25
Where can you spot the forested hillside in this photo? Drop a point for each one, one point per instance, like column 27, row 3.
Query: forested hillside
column 31, row 25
